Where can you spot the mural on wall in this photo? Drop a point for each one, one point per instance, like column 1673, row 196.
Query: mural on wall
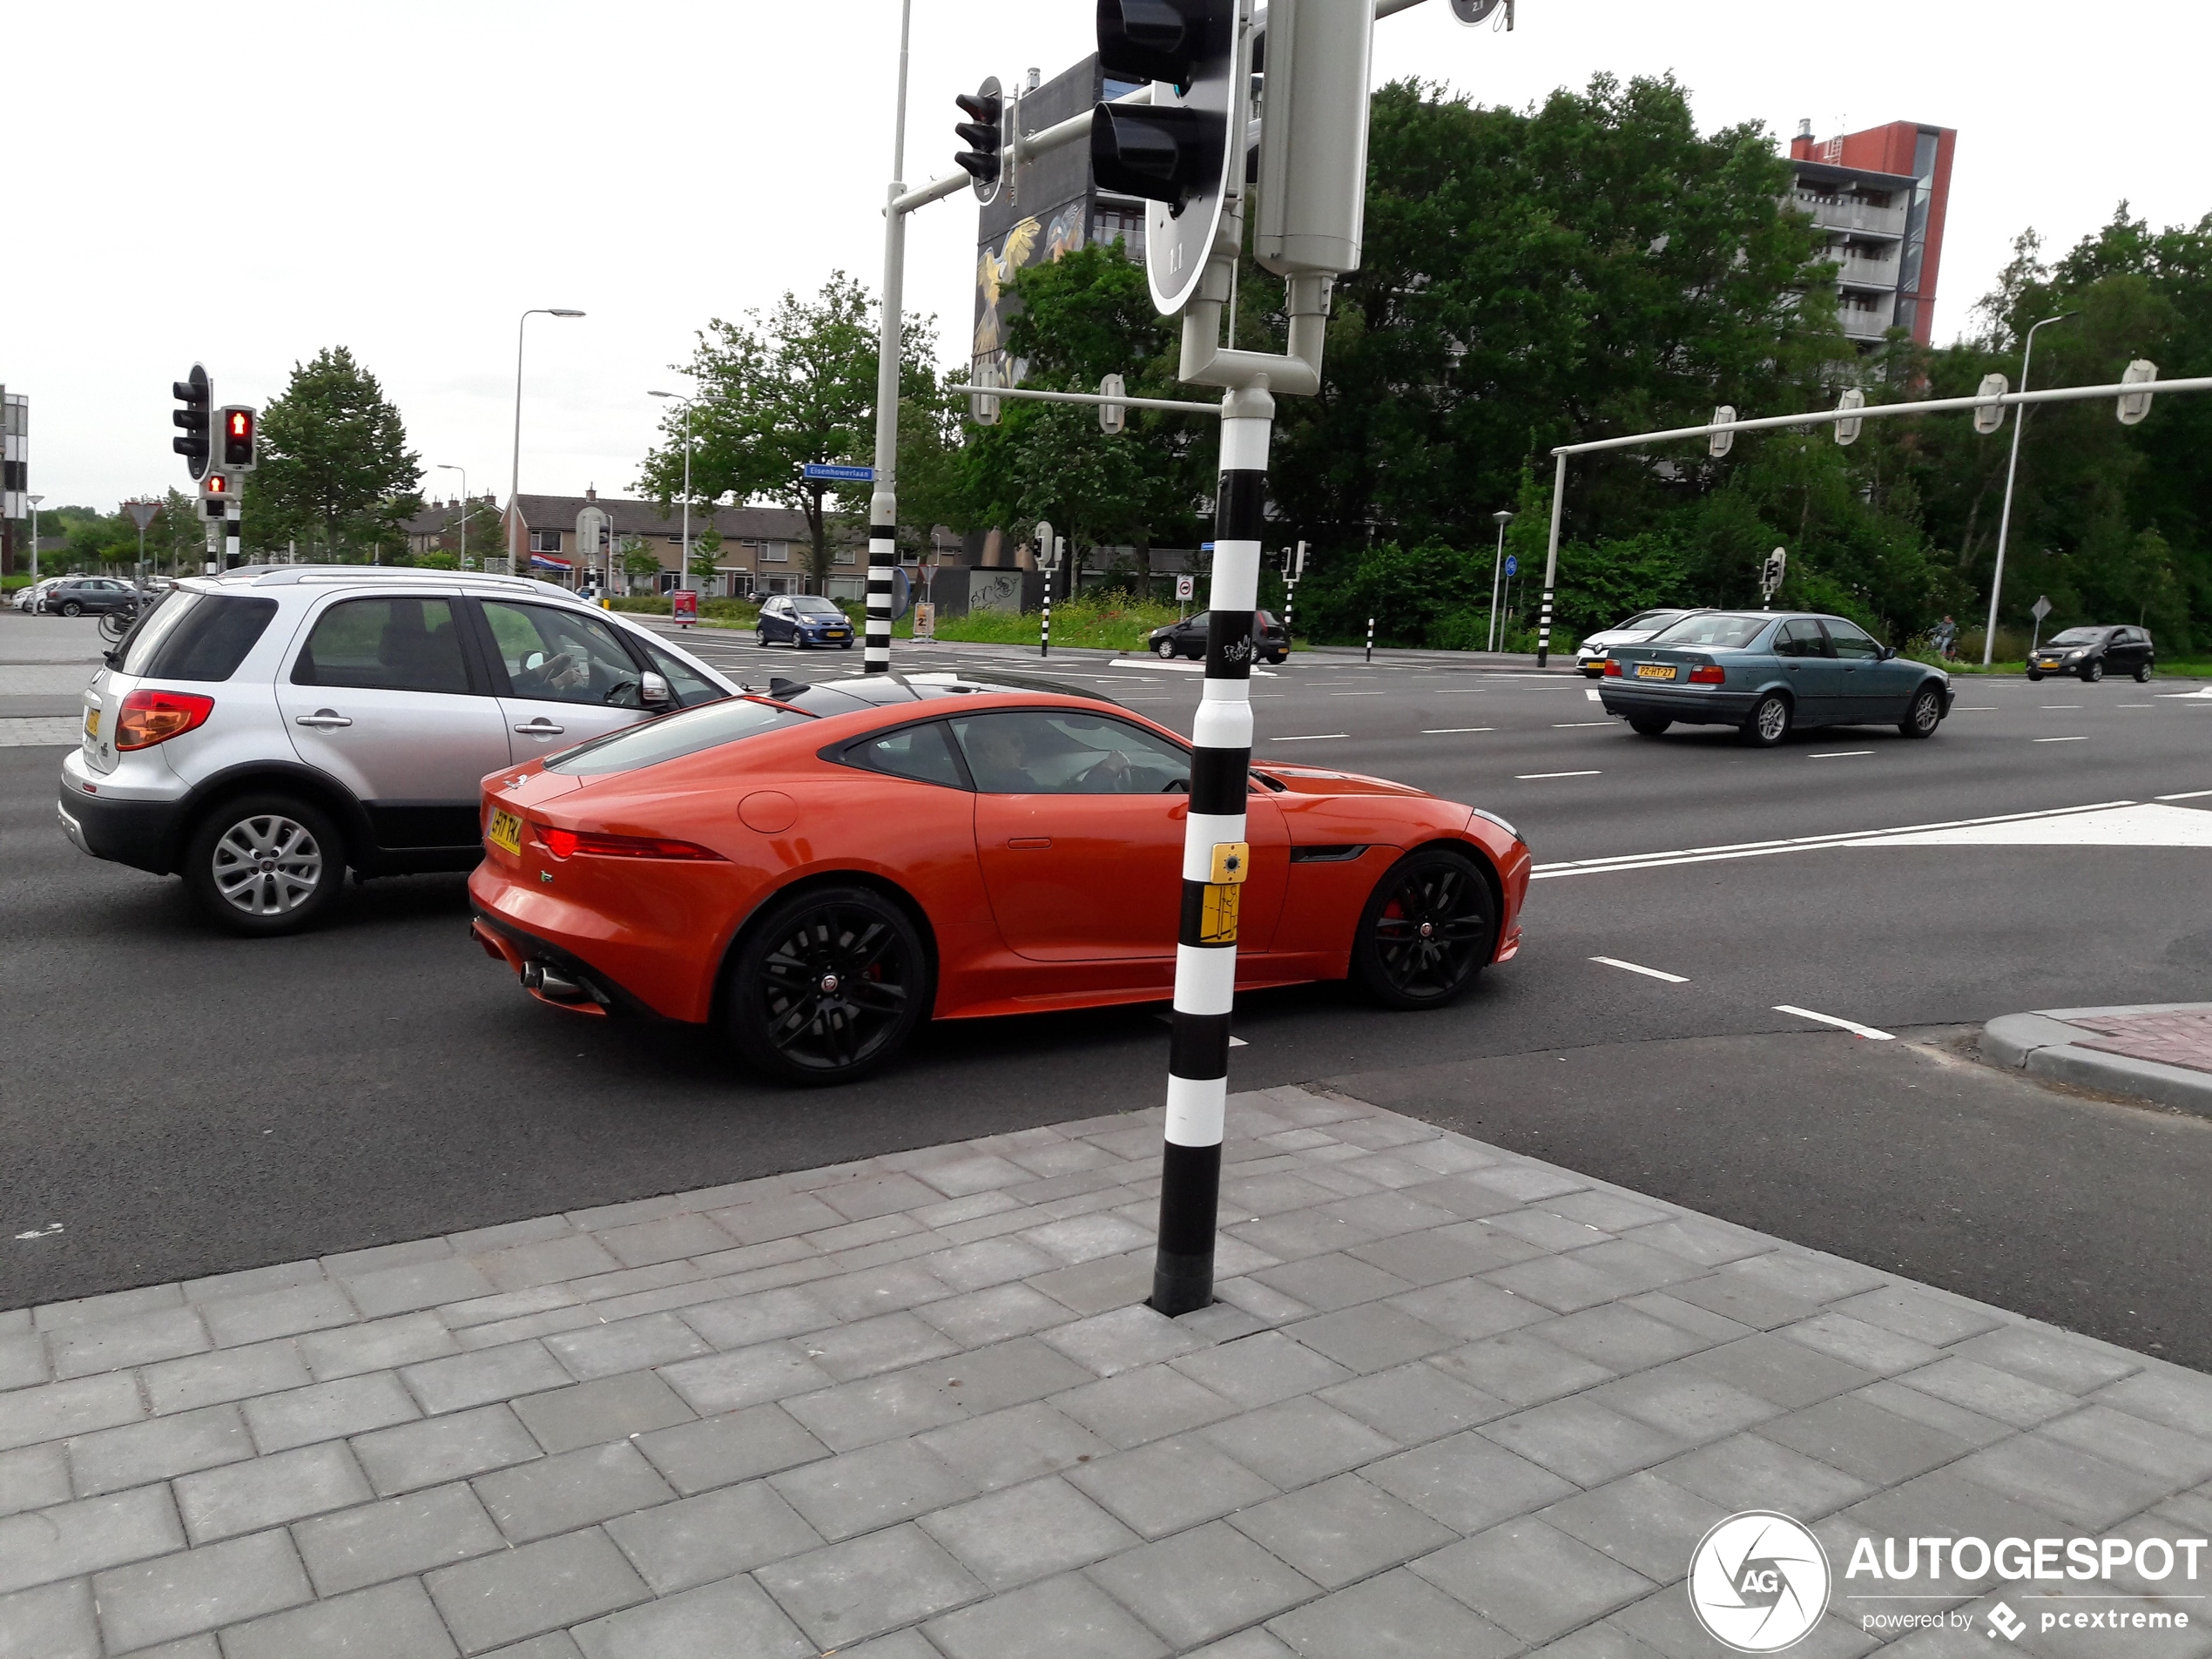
column 1032, row 241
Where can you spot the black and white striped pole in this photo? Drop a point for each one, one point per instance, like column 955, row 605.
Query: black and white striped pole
column 1047, row 565
column 1296, row 561
column 1551, row 567
column 1371, row 639
column 1216, row 860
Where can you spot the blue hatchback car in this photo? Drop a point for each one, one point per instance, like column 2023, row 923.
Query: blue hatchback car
column 1765, row 672
column 803, row 620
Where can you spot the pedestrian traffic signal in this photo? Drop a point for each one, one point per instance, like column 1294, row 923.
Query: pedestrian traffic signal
column 195, row 392
column 214, row 493
column 238, row 423
column 984, row 133
column 1174, row 151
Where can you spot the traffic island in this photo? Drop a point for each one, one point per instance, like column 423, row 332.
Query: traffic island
column 1451, row 1401
column 2156, row 1051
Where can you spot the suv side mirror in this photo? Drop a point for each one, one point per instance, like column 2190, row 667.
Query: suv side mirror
column 652, row 689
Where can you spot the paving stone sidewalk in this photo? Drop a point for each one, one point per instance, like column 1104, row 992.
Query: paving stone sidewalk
column 1452, row 1402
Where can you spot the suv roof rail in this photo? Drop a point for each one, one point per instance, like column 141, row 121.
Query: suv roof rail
column 282, row 576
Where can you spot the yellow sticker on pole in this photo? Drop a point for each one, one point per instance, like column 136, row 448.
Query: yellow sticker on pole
column 1231, row 860
column 1218, row 915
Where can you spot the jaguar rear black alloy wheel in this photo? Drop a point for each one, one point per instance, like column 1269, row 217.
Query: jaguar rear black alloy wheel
column 828, row 986
column 1427, row 930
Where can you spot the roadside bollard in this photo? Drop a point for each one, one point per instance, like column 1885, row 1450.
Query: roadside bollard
column 1371, row 639
column 1044, row 645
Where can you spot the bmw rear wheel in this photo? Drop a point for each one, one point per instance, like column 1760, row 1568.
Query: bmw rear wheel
column 827, row 986
column 264, row 865
column 1769, row 721
column 1924, row 715
column 1427, row 930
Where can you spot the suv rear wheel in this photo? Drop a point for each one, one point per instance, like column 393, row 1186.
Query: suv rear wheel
column 263, row 865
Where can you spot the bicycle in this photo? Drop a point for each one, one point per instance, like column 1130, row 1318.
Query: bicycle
column 115, row 624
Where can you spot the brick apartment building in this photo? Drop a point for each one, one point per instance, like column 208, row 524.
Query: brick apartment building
column 1880, row 195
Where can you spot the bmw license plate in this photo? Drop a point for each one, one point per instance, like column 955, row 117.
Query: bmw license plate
column 506, row 830
column 1654, row 670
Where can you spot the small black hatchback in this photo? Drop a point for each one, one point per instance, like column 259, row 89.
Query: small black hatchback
column 2094, row 652
column 1188, row 637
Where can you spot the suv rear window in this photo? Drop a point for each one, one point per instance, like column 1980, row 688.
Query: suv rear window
column 674, row 736
column 197, row 636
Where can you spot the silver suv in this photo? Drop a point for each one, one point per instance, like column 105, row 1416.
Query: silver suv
column 261, row 731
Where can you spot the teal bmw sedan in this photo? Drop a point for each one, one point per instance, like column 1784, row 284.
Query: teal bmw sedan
column 1767, row 672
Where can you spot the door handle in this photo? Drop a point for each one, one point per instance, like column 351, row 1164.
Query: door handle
column 540, row 727
column 1028, row 843
column 323, row 720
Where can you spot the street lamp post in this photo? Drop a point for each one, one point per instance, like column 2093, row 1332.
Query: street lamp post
column 1502, row 518
column 447, row 466
column 684, row 575
column 515, row 478
column 34, row 501
column 2005, row 518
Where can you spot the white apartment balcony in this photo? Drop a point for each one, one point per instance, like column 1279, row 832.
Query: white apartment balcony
column 1843, row 214
column 1867, row 321
column 1866, row 271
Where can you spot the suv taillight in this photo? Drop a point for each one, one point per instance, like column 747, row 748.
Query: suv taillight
column 1613, row 668
column 1710, row 674
column 148, row 718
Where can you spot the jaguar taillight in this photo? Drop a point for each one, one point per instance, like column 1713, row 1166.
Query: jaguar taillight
column 568, row 844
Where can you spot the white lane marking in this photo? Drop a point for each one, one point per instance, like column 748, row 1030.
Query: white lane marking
column 1593, row 696
column 1839, row 754
column 1852, row 1026
column 2142, row 825
column 2058, row 739
column 1311, row 737
column 2192, row 794
column 2058, row 705
column 47, row 1232
column 1570, row 725
column 2133, row 705
column 1531, row 776
column 2202, row 694
column 1653, row 973
column 1453, row 730
column 1800, row 844
column 1974, row 708
column 1355, row 694
column 1176, row 667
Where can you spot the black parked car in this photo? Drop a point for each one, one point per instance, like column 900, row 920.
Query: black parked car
column 1187, row 638
column 87, row 596
column 2094, row 652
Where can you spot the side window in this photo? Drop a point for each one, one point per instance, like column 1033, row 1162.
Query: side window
column 1067, row 752
column 562, row 656
column 395, row 644
column 1799, row 639
column 919, row 753
column 691, row 688
column 1852, row 642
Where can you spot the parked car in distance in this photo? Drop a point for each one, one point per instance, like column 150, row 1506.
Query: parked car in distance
column 1271, row 643
column 803, row 620
column 30, row 597
column 1765, row 673
column 2094, row 652
column 815, row 873
column 87, row 596
column 1590, row 655
column 262, row 731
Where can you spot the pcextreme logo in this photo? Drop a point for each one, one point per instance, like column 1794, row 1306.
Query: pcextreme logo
column 1758, row 1582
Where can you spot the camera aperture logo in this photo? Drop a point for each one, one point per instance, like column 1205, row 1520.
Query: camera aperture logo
column 1758, row 1582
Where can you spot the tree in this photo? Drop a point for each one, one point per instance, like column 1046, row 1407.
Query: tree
column 638, row 561
column 704, row 546
column 1083, row 316
column 334, row 463
column 778, row 393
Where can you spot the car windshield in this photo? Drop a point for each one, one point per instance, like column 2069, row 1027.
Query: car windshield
column 674, row 736
column 2076, row 636
column 1717, row 629
column 1649, row 619
column 810, row 606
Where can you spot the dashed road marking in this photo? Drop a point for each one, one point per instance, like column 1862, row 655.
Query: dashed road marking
column 1453, row 730
column 1636, row 967
column 1852, row 1026
column 1533, row 776
column 1839, row 754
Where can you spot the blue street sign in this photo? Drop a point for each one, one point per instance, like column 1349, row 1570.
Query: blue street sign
column 1512, row 565
column 839, row 474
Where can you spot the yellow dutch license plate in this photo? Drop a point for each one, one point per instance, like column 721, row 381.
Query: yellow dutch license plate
column 1654, row 670
column 92, row 722
column 507, row 831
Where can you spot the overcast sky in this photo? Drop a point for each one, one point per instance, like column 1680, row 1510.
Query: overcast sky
column 404, row 179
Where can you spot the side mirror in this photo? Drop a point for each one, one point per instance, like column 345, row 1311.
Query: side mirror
column 653, row 691
column 1888, row 651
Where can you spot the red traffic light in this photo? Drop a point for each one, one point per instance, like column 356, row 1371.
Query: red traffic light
column 215, row 484
column 237, row 422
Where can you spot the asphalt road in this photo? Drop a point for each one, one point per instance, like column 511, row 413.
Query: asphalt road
column 181, row 1102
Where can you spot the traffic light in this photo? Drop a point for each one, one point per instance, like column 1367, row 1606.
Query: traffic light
column 1313, row 138
column 1174, row 151
column 2134, row 405
column 214, row 494
column 984, row 133
column 238, row 423
column 195, row 392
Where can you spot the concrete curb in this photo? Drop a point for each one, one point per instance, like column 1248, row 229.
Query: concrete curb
column 2044, row 1044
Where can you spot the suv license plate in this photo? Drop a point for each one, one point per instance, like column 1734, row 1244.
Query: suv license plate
column 507, row 832
column 92, row 722
column 1654, row 670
